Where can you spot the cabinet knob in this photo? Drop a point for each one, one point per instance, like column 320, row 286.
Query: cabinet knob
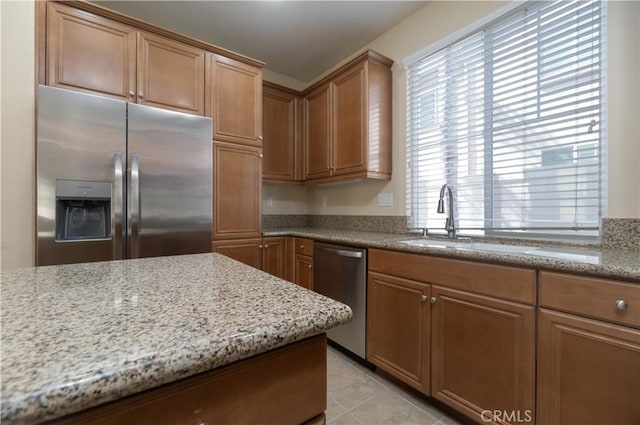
column 621, row 304
column 260, row 138
column 433, row 300
column 328, row 167
column 260, row 246
column 424, row 298
column 131, row 93
column 301, row 246
column 140, row 95
column 265, row 246
column 260, row 155
column 310, row 266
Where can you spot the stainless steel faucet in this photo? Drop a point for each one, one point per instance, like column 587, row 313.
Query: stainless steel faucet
column 450, row 224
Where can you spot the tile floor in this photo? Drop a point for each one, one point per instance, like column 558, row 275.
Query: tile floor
column 358, row 396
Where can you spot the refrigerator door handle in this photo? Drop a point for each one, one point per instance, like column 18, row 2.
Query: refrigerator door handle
column 116, row 212
column 134, row 209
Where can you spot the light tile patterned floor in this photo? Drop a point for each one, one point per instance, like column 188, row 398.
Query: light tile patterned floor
column 359, row 396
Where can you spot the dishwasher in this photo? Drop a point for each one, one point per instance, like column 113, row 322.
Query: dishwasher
column 340, row 274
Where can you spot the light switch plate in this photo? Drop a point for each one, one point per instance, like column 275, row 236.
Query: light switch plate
column 385, row 199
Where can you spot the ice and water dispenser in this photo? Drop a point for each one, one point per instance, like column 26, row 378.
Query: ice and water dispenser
column 83, row 210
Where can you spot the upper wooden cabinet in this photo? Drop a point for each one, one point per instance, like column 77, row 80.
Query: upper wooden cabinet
column 87, row 52
column 235, row 101
column 317, row 134
column 170, row 74
column 281, row 145
column 348, row 122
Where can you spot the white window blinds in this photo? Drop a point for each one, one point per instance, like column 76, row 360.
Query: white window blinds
column 511, row 117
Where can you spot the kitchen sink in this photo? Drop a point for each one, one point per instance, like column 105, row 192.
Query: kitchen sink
column 561, row 253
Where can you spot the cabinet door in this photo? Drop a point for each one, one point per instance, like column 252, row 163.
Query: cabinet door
column 303, row 271
column 588, row 371
column 273, row 258
column 350, row 133
column 279, row 129
column 237, row 197
column 86, row 52
column 170, row 74
column 247, row 251
column 235, row 101
column 317, row 133
column 398, row 328
column 483, row 355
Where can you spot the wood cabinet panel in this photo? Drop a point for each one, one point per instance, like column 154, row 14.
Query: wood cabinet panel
column 350, row 103
column 399, row 328
column 511, row 283
column 591, row 297
column 273, row 256
column 588, row 371
column 170, row 74
column 317, row 133
column 247, row 251
column 280, row 134
column 235, row 101
column 304, row 246
column 87, row 52
column 483, row 353
column 353, row 138
column 303, row 271
column 284, row 386
column 237, row 193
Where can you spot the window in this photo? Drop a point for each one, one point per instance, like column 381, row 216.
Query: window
column 511, row 117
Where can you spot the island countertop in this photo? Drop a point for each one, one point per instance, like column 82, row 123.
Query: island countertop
column 76, row 336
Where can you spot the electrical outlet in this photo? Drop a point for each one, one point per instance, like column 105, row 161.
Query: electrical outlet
column 324, row 202
column 269, row 202
column 385, row 199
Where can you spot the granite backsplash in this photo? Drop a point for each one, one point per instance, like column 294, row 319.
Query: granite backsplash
column 622, row 233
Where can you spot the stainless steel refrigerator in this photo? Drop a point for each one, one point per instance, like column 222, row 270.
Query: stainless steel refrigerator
column 119, row 180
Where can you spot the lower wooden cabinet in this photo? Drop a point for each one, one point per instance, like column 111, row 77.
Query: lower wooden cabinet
column 398, row 328
column 247, row 251
column 588, row 371
column 483, row 355
column 287, row 385
column 273, row 256
column 303, row 271
column 266, row 254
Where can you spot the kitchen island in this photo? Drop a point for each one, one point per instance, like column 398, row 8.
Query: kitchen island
column 78, row 336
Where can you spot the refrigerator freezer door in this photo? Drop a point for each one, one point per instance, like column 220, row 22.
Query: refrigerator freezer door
column 169, row 179
column 80, row 138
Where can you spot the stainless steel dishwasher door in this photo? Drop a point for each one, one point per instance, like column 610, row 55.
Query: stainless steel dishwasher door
column 340, row 274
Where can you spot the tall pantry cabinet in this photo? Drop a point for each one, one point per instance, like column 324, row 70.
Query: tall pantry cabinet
column 235, row 103
column 86, row 47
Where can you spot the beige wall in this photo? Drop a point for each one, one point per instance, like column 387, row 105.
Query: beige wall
column 17, row 180
column 436, row 21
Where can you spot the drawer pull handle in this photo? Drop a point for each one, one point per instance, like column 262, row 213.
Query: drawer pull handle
column 621, row 304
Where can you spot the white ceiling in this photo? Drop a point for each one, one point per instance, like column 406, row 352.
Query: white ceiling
column 300, row 39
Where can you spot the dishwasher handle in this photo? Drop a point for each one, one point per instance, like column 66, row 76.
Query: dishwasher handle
column 341, row 252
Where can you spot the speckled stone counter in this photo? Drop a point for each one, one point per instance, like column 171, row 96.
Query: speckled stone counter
column 608, row 262
column 76, row 336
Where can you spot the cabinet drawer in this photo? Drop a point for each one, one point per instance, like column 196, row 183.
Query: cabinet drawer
column 591, row 297
column 304, row 246
column 510, row 283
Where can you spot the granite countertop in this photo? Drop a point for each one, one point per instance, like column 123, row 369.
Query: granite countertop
column 593, row 260
column 76, row 336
